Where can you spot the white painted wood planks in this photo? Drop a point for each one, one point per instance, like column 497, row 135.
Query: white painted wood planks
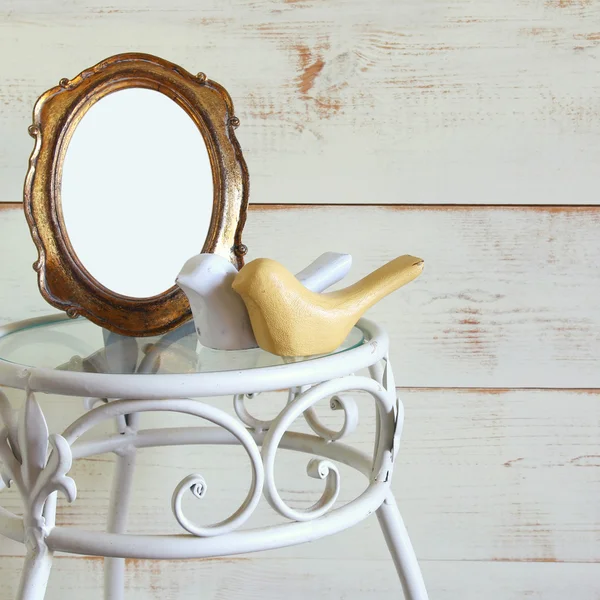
column 351, row 101
column 508, row 297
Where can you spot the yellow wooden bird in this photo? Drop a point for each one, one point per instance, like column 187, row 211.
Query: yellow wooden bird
column 289, row 320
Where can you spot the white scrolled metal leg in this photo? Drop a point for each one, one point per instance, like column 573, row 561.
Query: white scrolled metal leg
column 35, row 574
column 401, row 550
column 38, row 475
column 388, row 515
column 38, row 560
column 114, row 568
column 38, row 463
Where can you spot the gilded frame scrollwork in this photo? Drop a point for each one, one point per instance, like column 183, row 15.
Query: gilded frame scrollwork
column 63, row 280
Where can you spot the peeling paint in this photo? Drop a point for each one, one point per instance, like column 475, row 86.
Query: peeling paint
column 310, row 69
column 568, row 3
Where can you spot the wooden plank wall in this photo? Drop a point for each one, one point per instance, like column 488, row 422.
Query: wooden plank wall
column 466, row 132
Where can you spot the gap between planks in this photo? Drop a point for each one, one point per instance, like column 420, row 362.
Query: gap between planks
column 266, row 207
column 438, row 207
column 239, row 559
column 496, row 390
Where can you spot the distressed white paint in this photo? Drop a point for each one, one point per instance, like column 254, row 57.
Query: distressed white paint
column 444, row 101
column 508, row 296
column 258, row 577
column 383, row 102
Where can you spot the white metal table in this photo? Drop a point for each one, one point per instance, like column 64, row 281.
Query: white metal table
column 120, row 378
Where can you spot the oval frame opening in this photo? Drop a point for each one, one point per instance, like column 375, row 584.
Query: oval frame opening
column 137, row 165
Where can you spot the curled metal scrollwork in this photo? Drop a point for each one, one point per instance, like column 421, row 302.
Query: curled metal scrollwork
column 24, row 444
column 324, row 469
column 239, row 406
column 194, row 483
column 338, row 402
column 382, row 373
column 244, row 415
column 9, row 418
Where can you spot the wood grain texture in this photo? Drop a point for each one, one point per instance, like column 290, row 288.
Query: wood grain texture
column 350, row 101
column 368, row 103
column 255, row 578
column 508, row 297
column 498, row 489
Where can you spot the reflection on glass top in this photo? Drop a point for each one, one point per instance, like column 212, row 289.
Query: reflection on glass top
column 79, row 345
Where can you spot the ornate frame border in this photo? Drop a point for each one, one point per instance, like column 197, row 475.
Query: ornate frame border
column 62, row 278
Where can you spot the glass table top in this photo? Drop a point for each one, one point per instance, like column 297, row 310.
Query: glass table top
column 79, row 345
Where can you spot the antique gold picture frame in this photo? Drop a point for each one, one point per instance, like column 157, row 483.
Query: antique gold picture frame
column 62, row 278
